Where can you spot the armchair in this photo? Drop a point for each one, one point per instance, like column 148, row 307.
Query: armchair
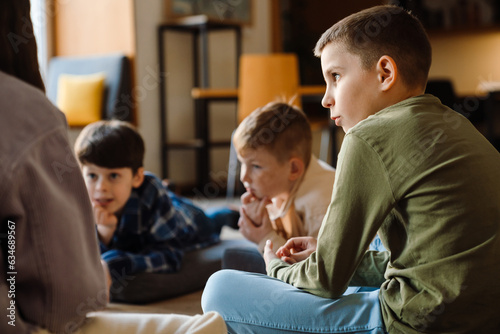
column 116, row 99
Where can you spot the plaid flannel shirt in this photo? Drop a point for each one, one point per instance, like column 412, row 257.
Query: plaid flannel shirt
column 156, row 227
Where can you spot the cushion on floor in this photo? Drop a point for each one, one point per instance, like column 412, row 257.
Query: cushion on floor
column 197, row 267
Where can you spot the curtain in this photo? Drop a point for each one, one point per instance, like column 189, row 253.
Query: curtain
column 40, row 17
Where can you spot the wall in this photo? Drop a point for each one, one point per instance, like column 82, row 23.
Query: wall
column 466, row 58
column 88, row 27
column 97, row 26
column 83, row 27
column 148, row 14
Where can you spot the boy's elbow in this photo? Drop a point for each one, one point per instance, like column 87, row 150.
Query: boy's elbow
column 334, row 293
column 330, row 291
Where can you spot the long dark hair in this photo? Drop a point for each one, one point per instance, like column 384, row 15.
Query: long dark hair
column 18, row 50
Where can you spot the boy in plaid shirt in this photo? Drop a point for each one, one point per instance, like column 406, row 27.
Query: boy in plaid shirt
column 142, row 226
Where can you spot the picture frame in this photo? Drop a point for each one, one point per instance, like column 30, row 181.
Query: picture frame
column 220, row 11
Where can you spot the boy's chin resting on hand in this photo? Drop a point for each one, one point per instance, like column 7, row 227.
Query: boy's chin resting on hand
column 254, row 207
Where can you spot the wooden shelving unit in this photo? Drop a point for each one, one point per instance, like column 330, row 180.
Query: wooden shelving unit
column 199, row 27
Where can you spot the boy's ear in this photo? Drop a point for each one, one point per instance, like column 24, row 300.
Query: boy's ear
column 387, row 72
column 138, row 177
column 296, row 168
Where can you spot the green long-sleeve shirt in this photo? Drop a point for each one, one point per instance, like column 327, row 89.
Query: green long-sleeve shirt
column 421, row 175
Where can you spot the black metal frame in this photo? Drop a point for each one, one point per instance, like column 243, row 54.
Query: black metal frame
column 200, row 42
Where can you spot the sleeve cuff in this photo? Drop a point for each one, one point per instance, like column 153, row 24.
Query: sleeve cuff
column 274, row 266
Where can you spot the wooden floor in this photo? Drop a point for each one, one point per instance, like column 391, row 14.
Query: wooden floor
column 189, row 304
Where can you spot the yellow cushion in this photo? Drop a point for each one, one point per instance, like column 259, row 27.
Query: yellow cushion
column 80, row 97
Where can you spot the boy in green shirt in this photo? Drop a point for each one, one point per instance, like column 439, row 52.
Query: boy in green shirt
column 410, row 168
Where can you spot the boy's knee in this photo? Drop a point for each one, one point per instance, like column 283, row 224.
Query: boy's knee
column 211, row 292
column 218, row 287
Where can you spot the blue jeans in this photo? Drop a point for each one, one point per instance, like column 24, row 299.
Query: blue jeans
column 209, row 222
column 256, row 303
column 223, row 216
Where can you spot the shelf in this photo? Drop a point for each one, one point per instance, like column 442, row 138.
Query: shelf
column 195, row 21
column 232, row 93
column 214, row 93
column 199, row 27
column 185, row 145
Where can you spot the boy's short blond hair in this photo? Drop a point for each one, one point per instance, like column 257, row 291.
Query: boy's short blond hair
column 384, row 30
column 280, row 128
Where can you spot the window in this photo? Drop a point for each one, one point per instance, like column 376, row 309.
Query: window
column 41, row 26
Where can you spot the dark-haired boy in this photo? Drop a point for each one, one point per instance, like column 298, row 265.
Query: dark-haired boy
column 142, row 226
column 410, row 168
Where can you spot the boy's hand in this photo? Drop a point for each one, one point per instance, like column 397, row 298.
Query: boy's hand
column 268, row 252
column 255, row 208
column 251, row 231
column 106, row 224
column 297, row 249
column 247, row 197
